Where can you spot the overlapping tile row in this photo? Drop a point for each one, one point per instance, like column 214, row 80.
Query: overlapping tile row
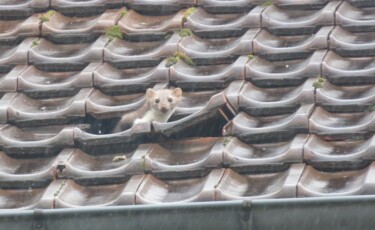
column 266, row 90
column 218, row 185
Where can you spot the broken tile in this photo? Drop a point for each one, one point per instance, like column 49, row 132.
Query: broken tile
column 192, row 102
column 215, row 112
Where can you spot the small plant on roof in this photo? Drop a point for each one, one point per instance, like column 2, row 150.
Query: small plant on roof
column 143, row 165
column 113, row 32
column 268, row 3
column 187, row 13
column 185, row 32
column 35, row 43
column 47, row 16
column 185, row 58
column 226, row 142
column 179, row 56
column 124, row 12
column 319, row 83
column 250, row 56
column 171, row 61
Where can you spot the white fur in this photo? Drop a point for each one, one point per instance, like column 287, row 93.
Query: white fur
column 154, row 115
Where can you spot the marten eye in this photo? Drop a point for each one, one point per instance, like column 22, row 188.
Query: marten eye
column 157, row 101
column 170, row 99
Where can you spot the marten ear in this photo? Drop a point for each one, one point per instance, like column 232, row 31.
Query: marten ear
column 150, row 92
column 177, row 92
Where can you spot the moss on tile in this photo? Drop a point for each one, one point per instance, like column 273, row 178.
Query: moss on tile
column 226, row 141
column 171, row 61
column 185, row 32
column 47, row 16
column 179, row 56
column 35, row 43
column 319, row 83
column 113, row 32
column 250, row 56
column 185, row 58
column 187, row 13
column 268, row 3
column 124, row 12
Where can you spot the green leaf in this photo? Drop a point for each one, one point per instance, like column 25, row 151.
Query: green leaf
column 124, row 12
column 114, row 32
column 47, row 16
column 185, row 32
column 268, row 3
column 187, row 13
column 185, row 58
column 171, row 61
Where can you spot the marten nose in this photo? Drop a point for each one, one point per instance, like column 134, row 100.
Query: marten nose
column 164, row 109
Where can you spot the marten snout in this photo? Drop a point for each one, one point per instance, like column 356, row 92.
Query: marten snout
column 164, row 109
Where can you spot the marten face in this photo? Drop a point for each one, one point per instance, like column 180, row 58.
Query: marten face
column 163, row 100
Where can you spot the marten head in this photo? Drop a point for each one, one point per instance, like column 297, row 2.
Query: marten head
column 163, row 100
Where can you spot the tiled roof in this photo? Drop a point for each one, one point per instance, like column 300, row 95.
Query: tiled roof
column 278, row 101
